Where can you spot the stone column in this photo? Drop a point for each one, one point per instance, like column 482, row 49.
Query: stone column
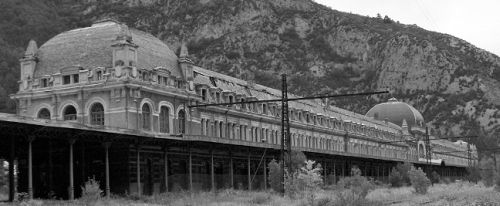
column 249, row 172
column 71, row 183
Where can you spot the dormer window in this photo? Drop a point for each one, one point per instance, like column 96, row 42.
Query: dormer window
column 230, row 100
column 162, row 80
column 217, row 97
column 67, row 79
column 204, row 94
column 98, row 75
column 71, row 79
column 44, row 82
column 76, row 78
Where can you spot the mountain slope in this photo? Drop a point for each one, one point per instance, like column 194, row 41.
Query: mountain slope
column 453, row 83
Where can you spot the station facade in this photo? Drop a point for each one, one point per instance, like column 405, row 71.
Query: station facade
column 111, row 102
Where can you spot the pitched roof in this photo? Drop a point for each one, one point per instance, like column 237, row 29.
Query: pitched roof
column 91, row 47
column 238, row 86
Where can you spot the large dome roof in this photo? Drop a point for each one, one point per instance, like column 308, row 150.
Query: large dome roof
column 91, row 47
column 395, row 111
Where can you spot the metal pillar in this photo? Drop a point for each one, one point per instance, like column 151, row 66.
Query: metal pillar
column 106, row 148
column 190, row 170
column 71, row 179
column 212, row 173
column 12, row 187
column 285, row 130
column 231, row 174
column 249, row 172
column 51, row 168
column 30, row 168
column 265, row 174
column 138, row 169
column 165, row 165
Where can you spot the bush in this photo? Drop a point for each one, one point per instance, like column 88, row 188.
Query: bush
column 395, row 178
column 91, row 191
column 260, row 198
column 473, row 174
column 487, row 167
column 304, row 183
column 356, row 185
column 435, row 177
column 399, row 175
column 276, row 173
column 309, row 180
column 419, row 180
column 403, row 169
column 275, row 176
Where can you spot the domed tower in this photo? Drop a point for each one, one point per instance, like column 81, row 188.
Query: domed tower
column 399, row 113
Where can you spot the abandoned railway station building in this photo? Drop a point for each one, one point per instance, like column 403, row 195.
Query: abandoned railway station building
column 111, row 103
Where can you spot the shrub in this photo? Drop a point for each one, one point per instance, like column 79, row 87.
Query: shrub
column 395, row 178
column 275, row 176
column 419, row 180
column 403, row 169
column 309, row 180
column 324, row 201
column 305, row 182
column 358, row 185
column 435, row 177
column 91, row 191
column 473, row 174
column 260, row 198
column 487, row 167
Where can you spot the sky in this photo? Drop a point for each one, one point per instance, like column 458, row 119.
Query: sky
column 475, row 21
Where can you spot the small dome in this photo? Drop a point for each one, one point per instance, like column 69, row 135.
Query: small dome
column 90, row 47
column 397, row 112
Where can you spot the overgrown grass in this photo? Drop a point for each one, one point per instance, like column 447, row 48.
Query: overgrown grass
column 459, row 193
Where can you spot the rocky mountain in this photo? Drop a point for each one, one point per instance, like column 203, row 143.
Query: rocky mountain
column 455, row 84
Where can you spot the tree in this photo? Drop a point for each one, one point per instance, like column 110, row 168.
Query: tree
column 487, row 171
column 395, row 178
column 275, row 176
column 419, row 180
column 387, row 20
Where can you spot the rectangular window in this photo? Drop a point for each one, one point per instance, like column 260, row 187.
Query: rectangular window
column 75, row 78
column 204, row 94
column 98, row 75
column 66, row 79
column 44, row 83
column 165, row 81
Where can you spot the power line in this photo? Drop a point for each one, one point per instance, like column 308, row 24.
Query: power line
column 396, row 141
column 292, row 99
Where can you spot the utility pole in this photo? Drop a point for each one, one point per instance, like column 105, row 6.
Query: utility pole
column 428, row 150
column 285, row 129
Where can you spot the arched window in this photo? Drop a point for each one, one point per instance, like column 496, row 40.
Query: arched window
column 69, row 113
column 97, row 114
column 44, row 114
column 146, row 117
column 182, row 121
column 164, row 119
